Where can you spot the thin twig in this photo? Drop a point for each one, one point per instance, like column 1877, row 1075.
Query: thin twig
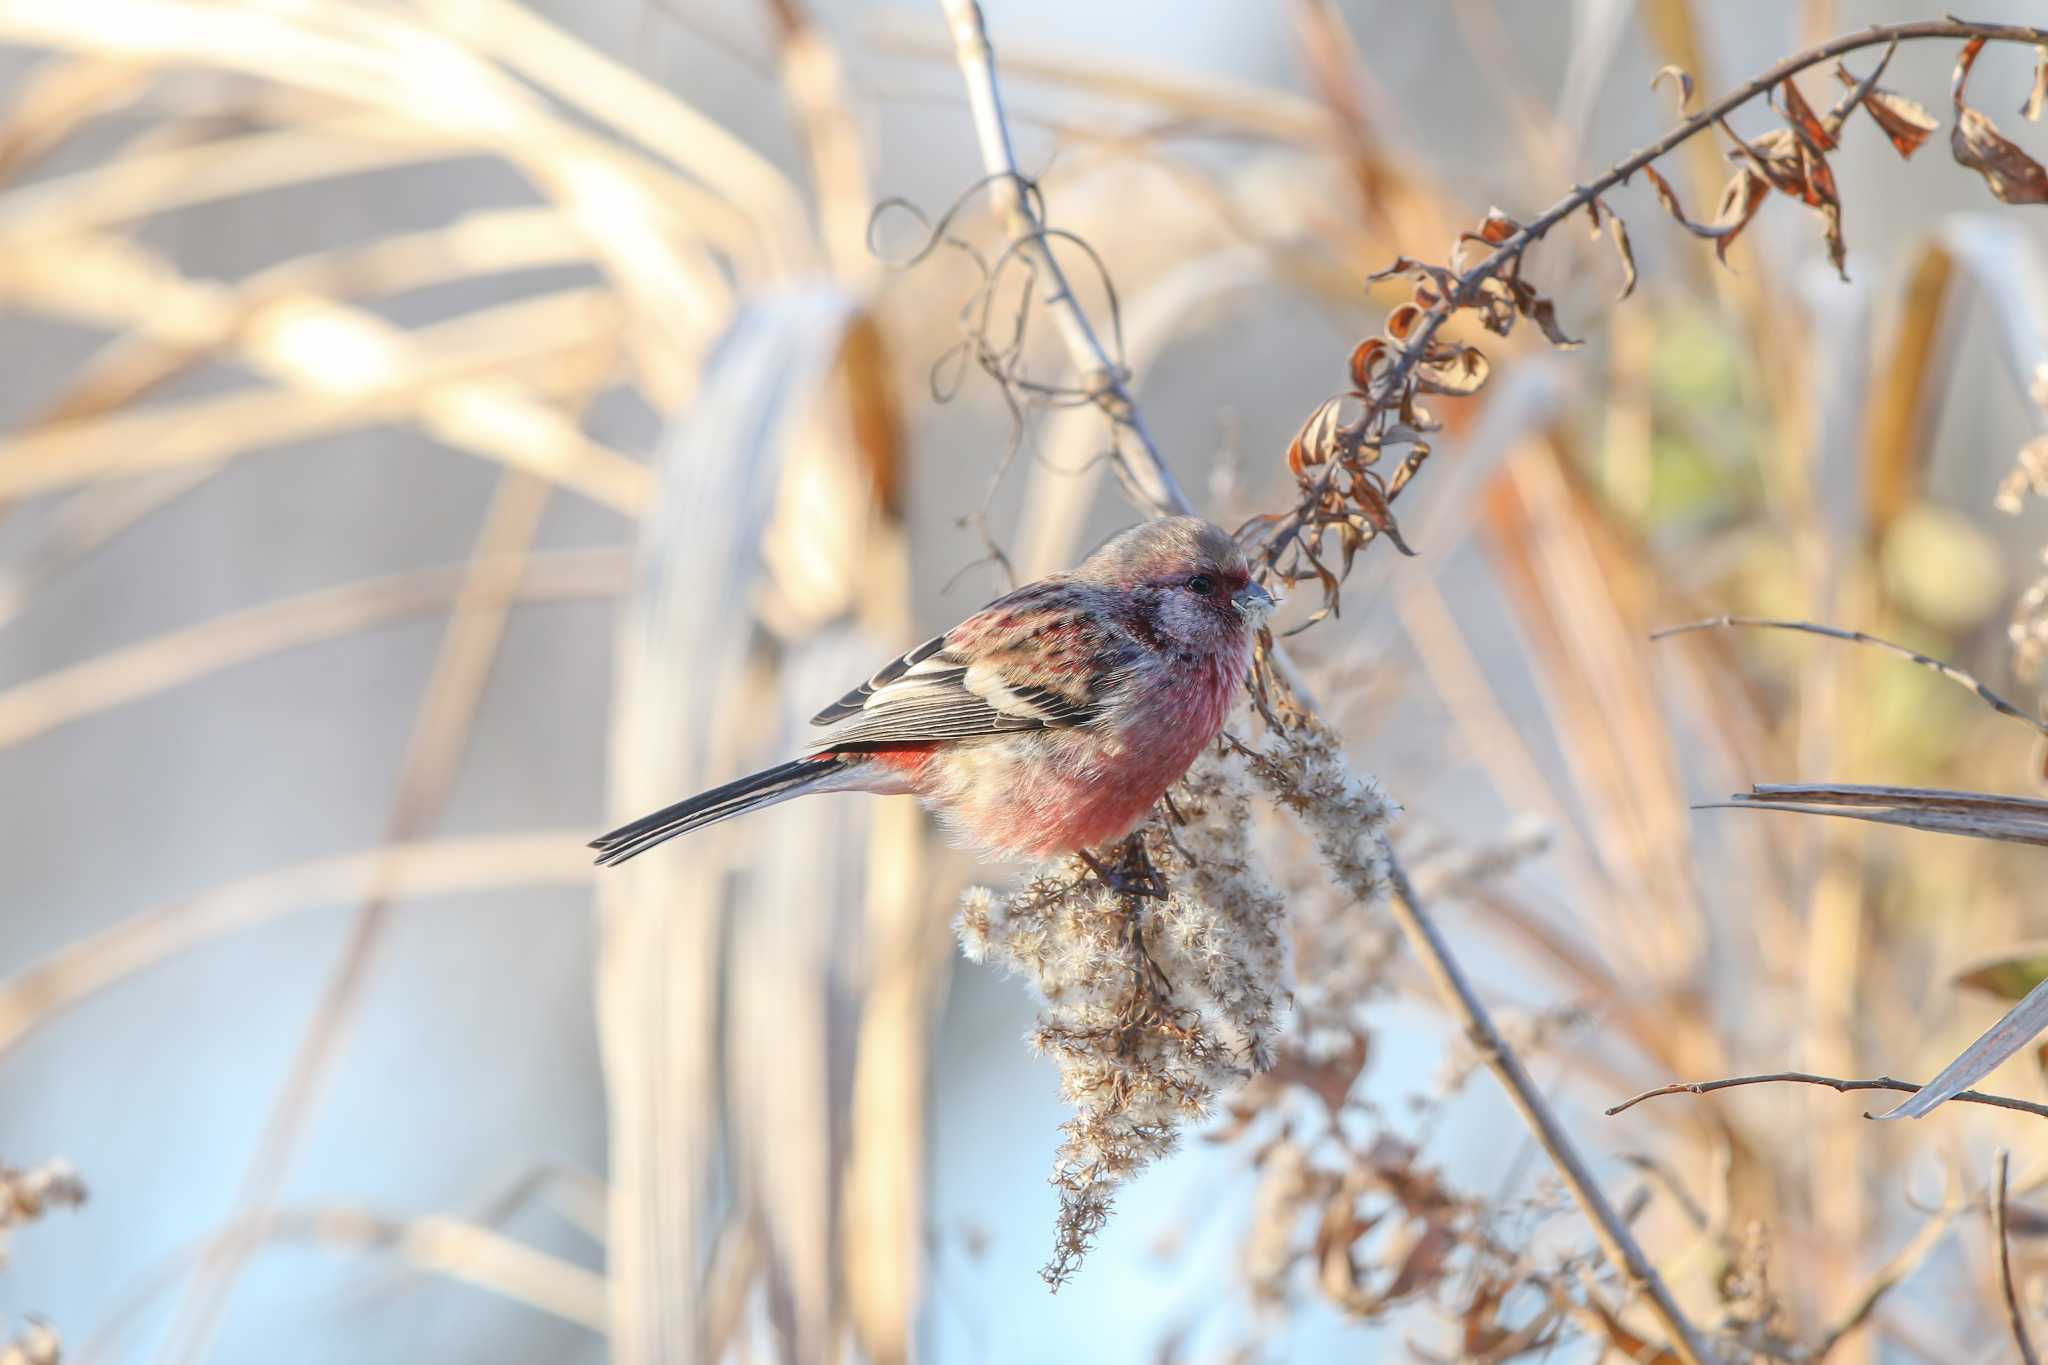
column 1947, row 670
column 1616, row 1241
column 1831, row 1082
column 2012, row 1298
column 1417, row 343
column 1466, row 287
column 1102, row 375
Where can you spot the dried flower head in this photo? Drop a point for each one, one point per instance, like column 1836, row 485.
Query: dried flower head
column 26, row 1196
column 1164, row 983
column 36, row 1343
column 1153, row 1002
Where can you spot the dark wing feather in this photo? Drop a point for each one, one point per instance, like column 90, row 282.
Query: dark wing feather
column 1029, row 661
column 853, row 701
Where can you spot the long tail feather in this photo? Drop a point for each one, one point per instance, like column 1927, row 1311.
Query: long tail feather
column 706, row 808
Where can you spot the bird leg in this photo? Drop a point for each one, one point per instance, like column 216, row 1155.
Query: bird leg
column 1133, row 873
column 1135, row 880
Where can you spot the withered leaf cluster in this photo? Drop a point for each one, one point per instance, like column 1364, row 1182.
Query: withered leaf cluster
column 2013, row 176
column 1335, row 457
column 1792, row 159
column 1339, row 456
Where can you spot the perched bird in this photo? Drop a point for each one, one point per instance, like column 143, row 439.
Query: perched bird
column 1048, row 722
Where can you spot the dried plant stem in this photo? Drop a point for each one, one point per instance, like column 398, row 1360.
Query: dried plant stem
column 1155, row 485
column 1101, row 374
column 442, row 725
column 1831, row 1082
column 1947, row 670
column 2012, row 1298
column 1616, row 1241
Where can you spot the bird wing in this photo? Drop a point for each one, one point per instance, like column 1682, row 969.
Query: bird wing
column 1025, row 662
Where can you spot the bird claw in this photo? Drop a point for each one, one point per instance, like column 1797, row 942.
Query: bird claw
column 1142, row 880
column 1135, row 877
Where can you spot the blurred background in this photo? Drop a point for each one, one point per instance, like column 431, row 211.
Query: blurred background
column 433, row 429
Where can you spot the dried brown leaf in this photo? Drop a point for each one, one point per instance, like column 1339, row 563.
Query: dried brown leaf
column 1617, row 229
column 2031, row 110
column 2011, row 975
column 1459, row 371
column 1801, row 116
column 1977, row 815
column 1906, row 122
column 1680, row 78
column 1495, row 228
column 1741, row 197
column 1668, row 197
column 1367, row 362
column 2013, row 176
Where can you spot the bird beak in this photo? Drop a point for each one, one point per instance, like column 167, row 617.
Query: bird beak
column 1254, row 603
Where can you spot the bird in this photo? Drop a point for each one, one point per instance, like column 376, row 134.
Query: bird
column 1049, row 722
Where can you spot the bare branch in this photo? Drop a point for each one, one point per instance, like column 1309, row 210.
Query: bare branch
column 2012, row 1298
column 1511, row 249
column 1616, row 1241
column 1389, row 372
column 1831, row 1082
column 1947, row 670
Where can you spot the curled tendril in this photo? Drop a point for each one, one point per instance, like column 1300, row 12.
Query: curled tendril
column 995, row 325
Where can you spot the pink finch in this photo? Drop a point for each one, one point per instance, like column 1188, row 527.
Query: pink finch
column 1048, row 722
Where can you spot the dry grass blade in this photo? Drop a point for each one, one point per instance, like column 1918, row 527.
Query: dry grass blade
column 1906, row 392
column 148, row 183
column 441, row 729
column 576, row 1196
column 2014, row 1317
column 1202, row 99
column 1835, row 1083
column 457, row 385
column 1978, row 815
column 32, row 997
column 663, row 943
column 205, row 431
column 2019, row 1026
column 132, row 672
column 437, row 1245
column 1949, row 671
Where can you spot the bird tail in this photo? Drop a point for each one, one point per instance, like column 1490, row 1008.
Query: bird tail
column 764, row 788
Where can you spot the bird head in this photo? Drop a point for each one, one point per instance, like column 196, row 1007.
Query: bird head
column 1188, row 579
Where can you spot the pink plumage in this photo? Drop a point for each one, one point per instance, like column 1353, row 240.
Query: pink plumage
column 1048, row 722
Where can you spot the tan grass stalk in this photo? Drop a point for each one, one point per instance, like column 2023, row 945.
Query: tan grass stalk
column 132, row 672
column 33, row 996
column 440, row 735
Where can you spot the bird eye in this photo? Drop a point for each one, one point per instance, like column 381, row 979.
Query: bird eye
column 1201, row 585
